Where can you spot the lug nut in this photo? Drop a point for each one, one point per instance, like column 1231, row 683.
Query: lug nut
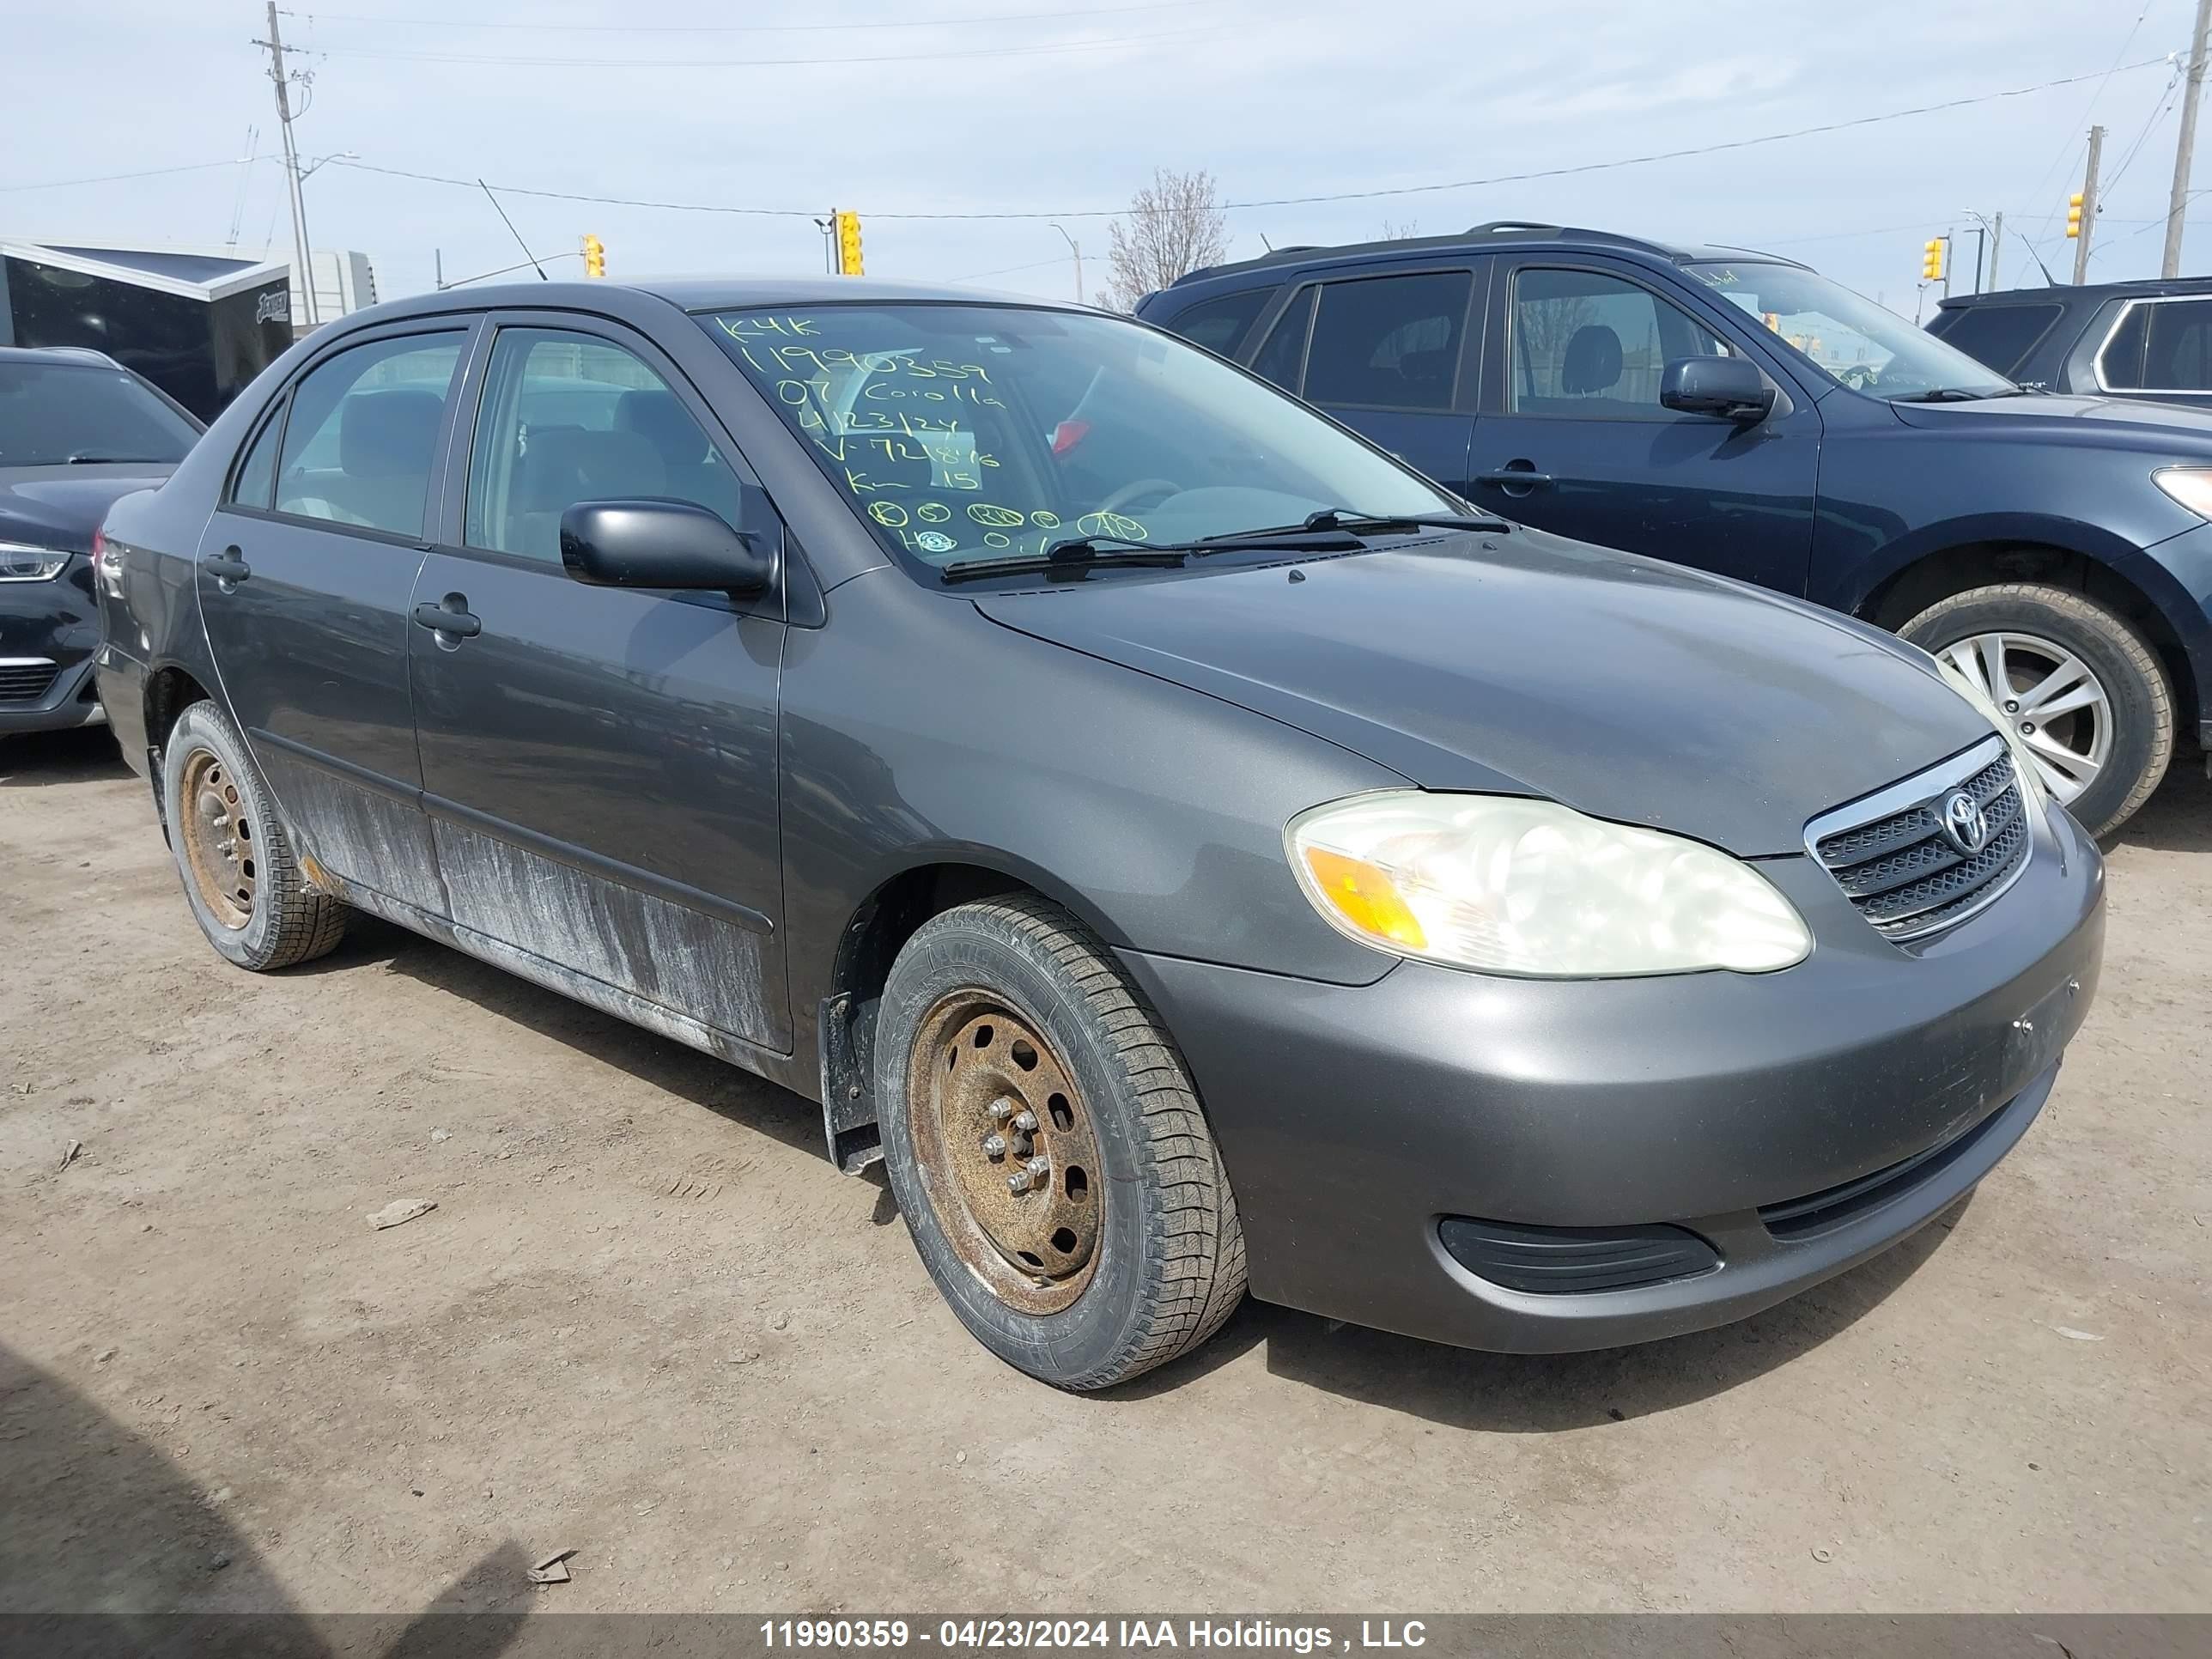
column 994, row 1147
column 2012, row 706
column 1001, row 1109
column 1018, row 1182
column 1026, row 1121
column 2027, row 728
column 1038, row 1168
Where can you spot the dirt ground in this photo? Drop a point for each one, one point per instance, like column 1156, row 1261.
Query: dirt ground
column 648, row 1323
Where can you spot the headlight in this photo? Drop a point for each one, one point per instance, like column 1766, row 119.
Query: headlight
column 2189, row 485
column 1527, row 887
column 20, row 562
column 2026, row 768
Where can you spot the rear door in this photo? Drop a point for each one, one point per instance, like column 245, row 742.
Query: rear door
column 307, row 570
column 1573, row 438
column 1392, row 354
column 600, row 764
column 2159, row 348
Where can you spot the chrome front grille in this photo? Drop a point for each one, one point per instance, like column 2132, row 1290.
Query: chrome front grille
column 1902, row 869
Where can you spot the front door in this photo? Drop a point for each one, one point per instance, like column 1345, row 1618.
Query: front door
column 306, row 571
column 600, row 764
column 1572, row 437
column 1389, row 356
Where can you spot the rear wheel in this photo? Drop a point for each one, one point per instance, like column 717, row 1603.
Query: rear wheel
column 1046, row 1148
column 240, row 876
column 2082, row 689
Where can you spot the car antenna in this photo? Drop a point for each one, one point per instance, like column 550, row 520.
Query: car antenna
column 513, row 232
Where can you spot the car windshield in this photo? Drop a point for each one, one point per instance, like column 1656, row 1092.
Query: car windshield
column 1853, row 341
column 966, row 431
column 52, row 414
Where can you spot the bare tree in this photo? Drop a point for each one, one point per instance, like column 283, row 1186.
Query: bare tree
column 1174, row 226
column 1395, row 231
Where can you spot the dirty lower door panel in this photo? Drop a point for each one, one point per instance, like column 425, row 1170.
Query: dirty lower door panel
column 598, row 765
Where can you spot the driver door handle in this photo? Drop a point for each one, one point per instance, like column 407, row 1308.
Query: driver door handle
column 1515, row 478
column 458, row 623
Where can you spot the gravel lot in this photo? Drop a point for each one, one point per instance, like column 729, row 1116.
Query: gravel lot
column 648, row 1323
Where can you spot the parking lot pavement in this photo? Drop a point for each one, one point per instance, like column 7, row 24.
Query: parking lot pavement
column 648, row 1321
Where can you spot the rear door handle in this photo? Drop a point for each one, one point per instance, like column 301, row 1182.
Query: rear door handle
column 1514, row 477
column 456, row 622
column 226, row 567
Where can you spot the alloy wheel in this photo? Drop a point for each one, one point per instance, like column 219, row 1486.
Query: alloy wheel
column 2051, row 700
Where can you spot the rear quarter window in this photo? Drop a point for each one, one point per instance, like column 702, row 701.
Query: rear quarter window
column 1221, row 323
column 2000, row 336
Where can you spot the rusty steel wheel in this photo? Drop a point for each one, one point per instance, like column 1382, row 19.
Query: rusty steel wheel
column 1006, row 1151
column 233, row 850
column 218, row 838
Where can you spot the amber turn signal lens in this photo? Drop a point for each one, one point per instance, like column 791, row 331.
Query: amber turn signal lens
column 1364, row 897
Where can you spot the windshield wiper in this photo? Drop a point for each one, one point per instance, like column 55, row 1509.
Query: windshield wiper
column 1345, row 521
column 1954, row 394
column 1073, row 558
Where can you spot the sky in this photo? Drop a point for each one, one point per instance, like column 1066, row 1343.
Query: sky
column 1060, row 110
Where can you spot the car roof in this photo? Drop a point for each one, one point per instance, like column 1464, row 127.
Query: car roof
column 694, row 293
column 2069, row 293
column 1517, row 233
column 82, row 356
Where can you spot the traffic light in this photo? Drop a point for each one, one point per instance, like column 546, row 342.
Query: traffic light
column 848, row 243
column 2074, row 213
column 595, row 257
column 1931, row 260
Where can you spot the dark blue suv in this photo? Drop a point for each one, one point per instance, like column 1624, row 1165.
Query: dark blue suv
column 1739, row 412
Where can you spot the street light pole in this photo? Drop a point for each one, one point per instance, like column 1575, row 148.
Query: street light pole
column 1074, row 248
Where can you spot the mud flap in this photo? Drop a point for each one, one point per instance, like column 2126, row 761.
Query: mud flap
column 849, row 1106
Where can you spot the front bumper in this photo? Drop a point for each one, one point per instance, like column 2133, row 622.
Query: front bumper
column 48, row 632
column 1356, row 1121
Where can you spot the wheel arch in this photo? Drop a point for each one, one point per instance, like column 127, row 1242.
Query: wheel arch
column 2121, row 578
column 169, row 690
column 926, row 886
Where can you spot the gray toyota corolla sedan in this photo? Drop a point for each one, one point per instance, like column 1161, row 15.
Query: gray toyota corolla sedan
column 1191, row 850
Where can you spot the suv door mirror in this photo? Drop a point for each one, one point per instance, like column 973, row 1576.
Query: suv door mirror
column 1730, row 387
column 662, row 544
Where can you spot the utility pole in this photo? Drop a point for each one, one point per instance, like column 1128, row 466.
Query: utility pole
column 1996, row 243
column 2185, row 149
column 2089, row 204
column 303, row 272
column 1075, row 248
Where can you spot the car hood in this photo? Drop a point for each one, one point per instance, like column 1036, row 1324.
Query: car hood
column 1527, row 664
column 2156, row 425
column 60, row 507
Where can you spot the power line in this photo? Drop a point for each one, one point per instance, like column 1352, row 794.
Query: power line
column 2067, row 150
column 1276, row 201
column 110, row 178
column 536, row 26
column 600, row 65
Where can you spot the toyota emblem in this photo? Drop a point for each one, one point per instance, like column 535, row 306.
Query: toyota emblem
column 1964, row 824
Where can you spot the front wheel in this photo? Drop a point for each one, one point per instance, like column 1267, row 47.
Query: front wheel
column 2082, row 689
column 1046, row 1148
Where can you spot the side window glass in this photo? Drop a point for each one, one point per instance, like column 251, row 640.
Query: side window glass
column 572, row 417
column 1389, row 341
column 363, row 433
column 1999, row 336
column 256, row 482
column 1221, row 325
column 1285, row 354
column 2121, row 360
column 1587, row 345
column 2178, row 354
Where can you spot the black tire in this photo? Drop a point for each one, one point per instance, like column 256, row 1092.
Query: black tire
column 2133, row 679
column 1169, row 1264
column 286, row 921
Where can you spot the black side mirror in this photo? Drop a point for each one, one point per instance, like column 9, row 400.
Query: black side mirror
column 1730, row 387
column 659, row 544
